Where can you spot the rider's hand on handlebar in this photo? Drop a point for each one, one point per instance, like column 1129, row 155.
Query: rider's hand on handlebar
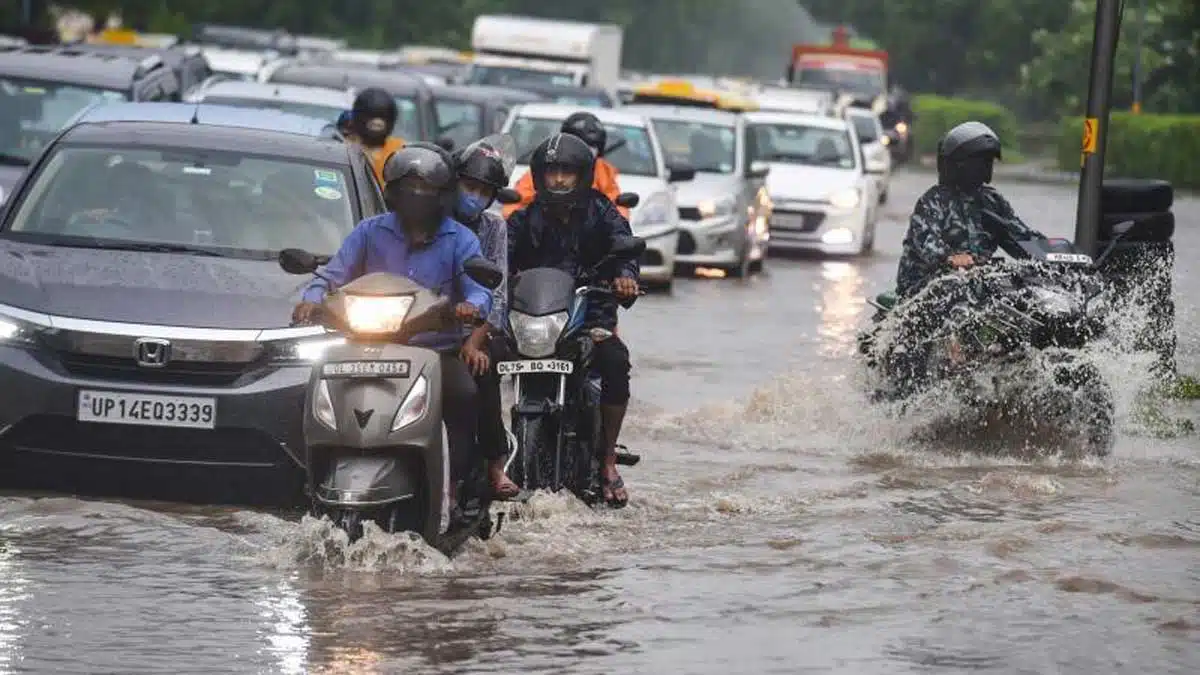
column 305, row 312
column 466, row 312
column 961, row 260
column 625, row 287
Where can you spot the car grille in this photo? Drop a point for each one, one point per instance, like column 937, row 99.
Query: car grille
column 690, row 213
column 799, row 221
column 193, row 373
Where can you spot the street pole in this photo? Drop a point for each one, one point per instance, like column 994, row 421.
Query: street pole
column 1100, row 82
column 1137, row 59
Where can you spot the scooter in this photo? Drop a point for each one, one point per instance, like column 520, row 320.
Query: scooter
column 375, row 445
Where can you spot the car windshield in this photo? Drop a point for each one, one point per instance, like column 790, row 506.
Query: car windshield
column 860, row 81
column 460, row 121
column 33, row 112
column 709, row 148
column 322, row 112
column 581, row 100
column 865, row 128
column 408, row 124
column 219, row 203
column 800, row 144
column 634, row 155
column 503, row 76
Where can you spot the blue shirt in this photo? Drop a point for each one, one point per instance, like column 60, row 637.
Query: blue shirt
column 377, row 244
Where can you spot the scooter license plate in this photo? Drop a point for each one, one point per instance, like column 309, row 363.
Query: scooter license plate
column 535, row 366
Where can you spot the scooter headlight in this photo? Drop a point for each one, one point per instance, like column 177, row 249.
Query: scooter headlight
column 415, row 405
column 537, row 336
column 376, row 314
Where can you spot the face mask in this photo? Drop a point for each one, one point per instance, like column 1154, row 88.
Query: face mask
column 972, row 173
column 471, row 205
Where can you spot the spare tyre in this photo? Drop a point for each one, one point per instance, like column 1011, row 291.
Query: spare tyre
column 1151, row 227
column 1136, row 195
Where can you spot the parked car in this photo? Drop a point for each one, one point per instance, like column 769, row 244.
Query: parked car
column 877, row 158
column 724, row 212
column 41, row 88
column 823, row 198
column 187, row 62
column 418, row 119
column 318, row 102
column 144, row 321
column 468, row 113
column 642, row 168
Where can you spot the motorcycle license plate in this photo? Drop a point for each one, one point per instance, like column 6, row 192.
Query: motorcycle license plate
column 536, row 366
column 1074, row 258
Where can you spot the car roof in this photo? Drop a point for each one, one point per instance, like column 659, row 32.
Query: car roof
column 274, row 91
column 484, row 93
column 683, row 112
column 396, row 83
column 172, row 56
column 558, row 111
column 75, row 66
column 209, row 116
column 806, row 119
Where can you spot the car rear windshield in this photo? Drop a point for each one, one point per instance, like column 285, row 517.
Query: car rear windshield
column 408, row 124
column 709, row 148
column 800, row 144
column 33, row 112
column 460, row 121
column 225, row 203
column 323, row 112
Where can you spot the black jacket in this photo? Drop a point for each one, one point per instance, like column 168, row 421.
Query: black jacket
column 535, row 240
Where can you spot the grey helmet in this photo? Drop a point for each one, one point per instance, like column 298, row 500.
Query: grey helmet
column 969, row 139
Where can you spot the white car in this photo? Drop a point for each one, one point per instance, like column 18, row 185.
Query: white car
column 786, row 99
column 236, row 64
column 823, row 198
column 641, row 167
column 318, row 102
column 877, row 157
column 724, row 211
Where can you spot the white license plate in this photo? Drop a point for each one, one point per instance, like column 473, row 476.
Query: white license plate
column 149, row 410
column 1076, row 258
column 385, row 369
column 531, row 367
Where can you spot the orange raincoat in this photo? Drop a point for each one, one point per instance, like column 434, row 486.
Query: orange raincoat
column 605, row 181
column 379, row 156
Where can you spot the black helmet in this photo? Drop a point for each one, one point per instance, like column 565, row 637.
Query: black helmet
column 485, row 162
column 569, row 152
column 967, row 154
column 420, row 186
column 587, row 126
column 374, row 115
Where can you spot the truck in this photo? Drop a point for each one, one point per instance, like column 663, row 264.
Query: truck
column 858, row 78
column 514, row 50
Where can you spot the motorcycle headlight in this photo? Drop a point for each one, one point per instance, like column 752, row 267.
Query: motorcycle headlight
column 711, row 208
column 303, row 350
column 846, row 199
column 655, row 211
column 1052, row 302
column 537, row 336
column 376, row 314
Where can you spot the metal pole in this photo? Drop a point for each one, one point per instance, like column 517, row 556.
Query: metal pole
column 1100, row 82
column 1137, row 59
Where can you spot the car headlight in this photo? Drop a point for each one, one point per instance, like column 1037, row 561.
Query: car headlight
column 710, row 208
column 376, row 314
column 846, row 199
column 537, row 336
column 17, row 333
column 901, row 128
column 303, row 350
column 655, row 211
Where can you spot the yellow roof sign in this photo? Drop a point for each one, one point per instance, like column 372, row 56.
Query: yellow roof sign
column 682, row 92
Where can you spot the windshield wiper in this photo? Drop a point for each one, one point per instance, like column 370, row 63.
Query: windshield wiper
column 154, row 248
column 14, row 160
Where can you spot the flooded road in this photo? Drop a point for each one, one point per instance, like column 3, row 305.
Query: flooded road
column 777, row 525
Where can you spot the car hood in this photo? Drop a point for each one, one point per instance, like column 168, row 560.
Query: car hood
column 707, row 186
column 148, row 288
column 807, row 183
column 9, row 175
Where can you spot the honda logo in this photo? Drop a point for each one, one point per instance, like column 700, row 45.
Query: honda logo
column 152, row 352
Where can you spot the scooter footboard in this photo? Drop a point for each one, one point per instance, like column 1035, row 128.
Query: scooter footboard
column 369, row 480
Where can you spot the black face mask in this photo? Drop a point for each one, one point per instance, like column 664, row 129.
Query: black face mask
column 972, row 173
column 420, row 215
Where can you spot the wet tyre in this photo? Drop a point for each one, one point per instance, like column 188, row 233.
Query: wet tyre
column 1151, row 227
column 1136, row 195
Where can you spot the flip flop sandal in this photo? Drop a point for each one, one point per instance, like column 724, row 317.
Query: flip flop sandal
column 613, row 486
column 508, row 493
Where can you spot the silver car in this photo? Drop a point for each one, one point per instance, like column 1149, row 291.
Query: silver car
column 318, row 102
column 724, row 210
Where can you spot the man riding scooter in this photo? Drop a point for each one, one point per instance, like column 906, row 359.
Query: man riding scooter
column 419, row 240
column 572, row 227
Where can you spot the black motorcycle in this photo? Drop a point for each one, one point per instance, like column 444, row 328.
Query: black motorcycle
column 556, row 418
column 1012, row 320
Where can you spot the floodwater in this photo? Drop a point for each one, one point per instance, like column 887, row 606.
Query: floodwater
column 778, row 524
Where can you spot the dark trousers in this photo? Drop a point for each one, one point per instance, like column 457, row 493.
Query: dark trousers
column 459, row 404
column 611, row 359
column 493, row 442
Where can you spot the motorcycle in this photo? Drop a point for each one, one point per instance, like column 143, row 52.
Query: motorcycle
column 375, row 445
column 555, row 422
column 1011, row 321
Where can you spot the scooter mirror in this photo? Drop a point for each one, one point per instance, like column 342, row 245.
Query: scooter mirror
column 628, row 247
column 298, row 261
column 508, row 196
column 483, row 271
column 628, row 200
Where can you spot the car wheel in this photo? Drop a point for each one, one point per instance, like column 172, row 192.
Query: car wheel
column 883, row 197
column 868, row 244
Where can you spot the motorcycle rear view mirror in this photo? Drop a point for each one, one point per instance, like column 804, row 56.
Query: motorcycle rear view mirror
column 627, row 200
column 508, row 196
column 298, row 261
column 484, row 272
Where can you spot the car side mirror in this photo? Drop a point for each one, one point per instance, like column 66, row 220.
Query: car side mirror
column 628, row 247
column 680, row 174
column 627, row 200
column 508, row 196
column 484, row 272
column 758, row 169
column 298, row 261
